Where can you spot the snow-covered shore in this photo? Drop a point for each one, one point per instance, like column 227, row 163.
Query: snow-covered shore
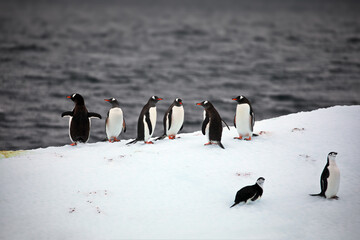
column 180, row 189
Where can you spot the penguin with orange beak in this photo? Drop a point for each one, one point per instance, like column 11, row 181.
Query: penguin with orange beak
column 79, row 123
column 147, row 121
column 212, row 124
column 115, row 121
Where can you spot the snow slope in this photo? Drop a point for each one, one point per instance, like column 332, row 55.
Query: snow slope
column 180, row 189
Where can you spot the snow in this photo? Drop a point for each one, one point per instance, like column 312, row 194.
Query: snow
column 181, row 189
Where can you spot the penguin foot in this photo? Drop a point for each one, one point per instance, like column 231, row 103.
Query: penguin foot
column 248, row 139
column 209, row 143
column 116, row 140
column 335, row 197
column 149, row 142
column 73, row 144
column 171, row 136
column 238, row 137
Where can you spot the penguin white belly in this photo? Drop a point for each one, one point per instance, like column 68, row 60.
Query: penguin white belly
column 333, row 181
column 152, row 114
column 114, row 123
column 243, row 119
column 177, row 120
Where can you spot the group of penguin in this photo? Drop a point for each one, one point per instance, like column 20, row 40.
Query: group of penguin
column 79, row 124
column 173, row 121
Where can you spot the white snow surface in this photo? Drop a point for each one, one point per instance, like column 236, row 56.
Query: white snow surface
column 181, row 189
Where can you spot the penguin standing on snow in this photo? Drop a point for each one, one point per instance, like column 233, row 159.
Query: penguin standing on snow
column 212, row 124
column 173, row 119
column 253, row 192
column 330, row 178
column 115, row 121
column 147, row 121
column 79, row 123
column 244, row 118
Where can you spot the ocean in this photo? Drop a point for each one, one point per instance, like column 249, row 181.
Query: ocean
column 285, row 56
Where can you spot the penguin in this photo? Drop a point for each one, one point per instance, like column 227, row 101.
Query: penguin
column 212, row 124
column 244, row 119
column 252, row 192
column 79, row 123
column 330, row 178
column 115, row 121
column 173, row 120
column 147, row 121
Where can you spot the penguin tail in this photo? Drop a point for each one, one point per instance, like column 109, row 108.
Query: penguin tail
column 233, row 205
column 132, row 142
column 161, row 137
column 220, row 144
column 255, row 135
column 316, row 194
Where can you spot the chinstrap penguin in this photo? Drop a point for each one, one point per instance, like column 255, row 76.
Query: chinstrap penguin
column 79, row 123
column 212, row 124
column 244, row 119
column 330, row 178
column 173, row 119
column 147, row 121
column 115, row 121
column 253, row 192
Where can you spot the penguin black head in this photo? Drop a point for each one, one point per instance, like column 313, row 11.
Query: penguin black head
column 241, row 99
column 178, row 102
column 260, row 181
column 153, row 100
column 77, row 99
column 205, row 104
column 113, row 102
column 332, row 155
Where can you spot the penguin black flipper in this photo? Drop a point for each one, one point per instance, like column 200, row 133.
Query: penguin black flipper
column 181, row 127
column 252, row 120
column 67, row 114
column 235, row 121
column 124, row 125
column 148, row 122
column 323, row 183
column 169, row 119
column 95, row 115
column 323, row 180
column 205, row 123
column 225, row 124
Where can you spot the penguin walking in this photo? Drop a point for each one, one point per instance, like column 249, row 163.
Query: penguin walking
column 173, row 119
column 253, row 192
column 330, row 178
column 147, row 121
column 212, row 124
column 244, row 119
column 115, row 122
column 79, row 123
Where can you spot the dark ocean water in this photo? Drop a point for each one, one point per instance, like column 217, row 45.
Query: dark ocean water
column 285, row 56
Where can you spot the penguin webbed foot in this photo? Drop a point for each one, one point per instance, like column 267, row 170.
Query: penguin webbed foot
column 149, row 142
column 73, row 144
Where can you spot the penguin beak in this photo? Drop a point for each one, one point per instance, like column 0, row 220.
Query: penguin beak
column 159, row 99
column 68, row 96
column 234, row 99
column 199, row 103
column 107, row 100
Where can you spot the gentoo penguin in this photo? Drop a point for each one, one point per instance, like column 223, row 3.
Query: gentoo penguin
column 253, row 192
column 330, row 178
column 147, row 121
column 173, row 119
column 115, row 121
column 79, row 123
column 212, row 126
column 244, row 119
